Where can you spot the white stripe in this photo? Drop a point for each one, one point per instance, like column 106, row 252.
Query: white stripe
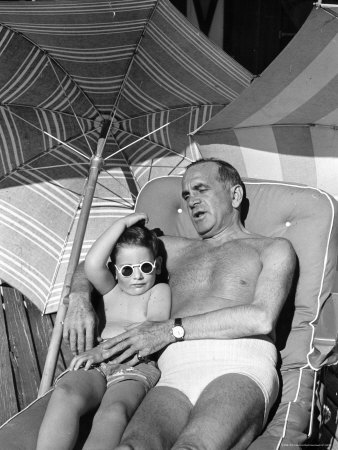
column 259, row 150
column 325, row 145
column 36, row 225
column 314, row 77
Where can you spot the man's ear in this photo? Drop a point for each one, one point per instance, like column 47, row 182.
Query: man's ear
column 237, row 195
column 158, row 262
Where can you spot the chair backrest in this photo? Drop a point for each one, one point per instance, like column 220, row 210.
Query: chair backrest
column 307, row 216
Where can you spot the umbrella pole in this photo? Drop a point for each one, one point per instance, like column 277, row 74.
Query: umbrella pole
column 54, row 346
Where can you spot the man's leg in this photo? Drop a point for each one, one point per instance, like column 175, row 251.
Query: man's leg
column 228, row 415
column 158, row 421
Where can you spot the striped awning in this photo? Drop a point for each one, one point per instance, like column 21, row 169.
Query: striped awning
column 66, row 67
column 284, row 125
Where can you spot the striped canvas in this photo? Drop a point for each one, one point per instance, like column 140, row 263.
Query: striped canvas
column 67, row 66
column 284, row 126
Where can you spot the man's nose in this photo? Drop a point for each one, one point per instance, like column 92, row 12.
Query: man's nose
column 193, row 200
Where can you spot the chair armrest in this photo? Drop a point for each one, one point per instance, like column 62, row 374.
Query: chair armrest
column 325, row 342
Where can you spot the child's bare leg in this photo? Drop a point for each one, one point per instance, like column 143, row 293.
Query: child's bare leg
column 117, row 406
column 75, row 393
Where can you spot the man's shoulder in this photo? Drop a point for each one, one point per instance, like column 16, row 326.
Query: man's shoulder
column 280, row 250
column 177, row 241
column 270, row 246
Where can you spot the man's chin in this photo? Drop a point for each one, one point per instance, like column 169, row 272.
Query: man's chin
column 202, row 230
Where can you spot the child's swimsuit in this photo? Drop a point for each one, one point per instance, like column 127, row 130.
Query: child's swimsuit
column 146, row 373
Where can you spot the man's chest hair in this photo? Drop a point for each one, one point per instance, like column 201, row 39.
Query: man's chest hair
column 232, row 262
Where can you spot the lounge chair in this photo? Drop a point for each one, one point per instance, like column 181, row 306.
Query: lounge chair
column 306, row 333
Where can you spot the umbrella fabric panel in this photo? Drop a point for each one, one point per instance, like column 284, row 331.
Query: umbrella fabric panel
column 21, row 139
column 158, row 155
column 97, row 53
column 284, row 126
column 39, row 216
column 176, row 65
column 81, row 37
column 31, row 242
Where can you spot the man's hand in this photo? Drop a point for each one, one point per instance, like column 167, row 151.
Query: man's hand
column 80, row 324
column 142, row 341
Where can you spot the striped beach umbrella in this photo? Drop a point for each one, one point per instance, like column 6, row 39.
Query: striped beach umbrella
column 284, row 126
column 96, row 98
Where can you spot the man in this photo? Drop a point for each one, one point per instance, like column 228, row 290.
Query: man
column 218, row 378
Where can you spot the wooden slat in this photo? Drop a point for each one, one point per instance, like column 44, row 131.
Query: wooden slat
column 41, row 328
column 23, row 356
column 8, row 402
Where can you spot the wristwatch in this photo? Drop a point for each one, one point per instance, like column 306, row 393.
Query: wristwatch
column 177, row 330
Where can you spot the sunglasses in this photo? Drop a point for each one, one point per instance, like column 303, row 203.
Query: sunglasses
column 127, row 270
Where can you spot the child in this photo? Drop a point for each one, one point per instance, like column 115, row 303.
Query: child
column 129, row 298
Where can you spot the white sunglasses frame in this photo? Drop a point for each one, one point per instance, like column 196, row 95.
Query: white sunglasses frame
column 153, row 265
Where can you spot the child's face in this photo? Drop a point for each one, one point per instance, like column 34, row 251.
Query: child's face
column 138, row 283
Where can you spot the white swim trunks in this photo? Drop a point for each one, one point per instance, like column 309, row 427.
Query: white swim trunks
column 191, row 365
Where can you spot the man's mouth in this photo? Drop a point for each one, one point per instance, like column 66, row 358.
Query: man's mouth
column 198, row 215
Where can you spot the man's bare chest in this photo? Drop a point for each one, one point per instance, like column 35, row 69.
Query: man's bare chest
column 227, row 271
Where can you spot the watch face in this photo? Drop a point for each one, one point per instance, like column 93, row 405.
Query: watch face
column 178, row 332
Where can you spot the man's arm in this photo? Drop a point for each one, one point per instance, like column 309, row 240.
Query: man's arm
column 80, row 322
column 258, row 318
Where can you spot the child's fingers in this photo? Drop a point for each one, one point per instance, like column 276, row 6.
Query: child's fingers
column 73, row 363
column 80, row 360
column 88, row 364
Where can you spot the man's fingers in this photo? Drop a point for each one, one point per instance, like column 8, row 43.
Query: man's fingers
column 80, row 342
column 89, row 338
column 111, row 351
column 125, row 355
column 65, row 335
column 113, row 342
column 133, row 361
column 73, row 341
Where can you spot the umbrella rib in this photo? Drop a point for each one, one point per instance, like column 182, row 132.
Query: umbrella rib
column 48, row 134
column 273, row 125
column 178, row 108
column 132, row 59
column 152, row 132
column 55, row 166
column 119, row 182
column 71, row 107
column 154, row 143
column 38, row 108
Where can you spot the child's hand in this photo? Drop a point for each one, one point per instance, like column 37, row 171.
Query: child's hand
column 132, row 219
column 88, row 358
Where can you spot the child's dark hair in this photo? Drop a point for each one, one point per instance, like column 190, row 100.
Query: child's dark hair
column 138, row 235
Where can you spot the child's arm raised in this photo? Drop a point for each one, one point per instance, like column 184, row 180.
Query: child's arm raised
column 96, row 268
column 159, row 304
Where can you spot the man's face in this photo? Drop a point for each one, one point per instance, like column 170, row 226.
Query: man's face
column 208, row 199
